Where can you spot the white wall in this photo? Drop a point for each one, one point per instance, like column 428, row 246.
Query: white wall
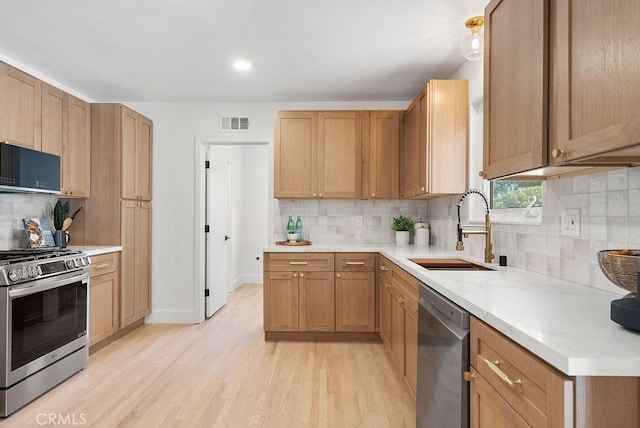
column 177, row 128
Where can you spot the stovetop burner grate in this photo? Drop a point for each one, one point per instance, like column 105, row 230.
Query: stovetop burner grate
column 30, row 254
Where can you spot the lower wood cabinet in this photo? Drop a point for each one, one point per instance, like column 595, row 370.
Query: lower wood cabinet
column 103, row 297
column 304, row 293
column 399, row 318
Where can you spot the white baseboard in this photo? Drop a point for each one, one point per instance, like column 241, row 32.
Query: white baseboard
column 171, row 317
column 252, row 279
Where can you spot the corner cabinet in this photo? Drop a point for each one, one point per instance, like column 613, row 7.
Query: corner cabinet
column 436, row 139
column 20, row 108
column 120, row 135
column 317, row 154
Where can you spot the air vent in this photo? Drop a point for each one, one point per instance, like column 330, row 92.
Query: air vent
column 228, row 123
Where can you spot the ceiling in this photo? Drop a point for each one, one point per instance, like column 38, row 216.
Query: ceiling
column 176, row 50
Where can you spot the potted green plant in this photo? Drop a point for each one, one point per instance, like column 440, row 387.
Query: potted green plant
column 403, row 226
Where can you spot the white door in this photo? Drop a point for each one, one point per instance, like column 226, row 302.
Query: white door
column 218, row 240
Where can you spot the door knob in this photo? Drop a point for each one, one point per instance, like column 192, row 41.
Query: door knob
column 226, row 238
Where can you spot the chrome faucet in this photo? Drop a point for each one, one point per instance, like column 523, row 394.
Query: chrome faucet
column 488, row 246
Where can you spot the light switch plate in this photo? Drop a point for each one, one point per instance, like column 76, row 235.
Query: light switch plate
column 570, row 222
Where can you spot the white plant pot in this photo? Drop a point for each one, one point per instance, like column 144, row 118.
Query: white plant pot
column 402, row 237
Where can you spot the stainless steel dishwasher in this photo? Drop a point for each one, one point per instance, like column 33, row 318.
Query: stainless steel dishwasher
column 442, row 396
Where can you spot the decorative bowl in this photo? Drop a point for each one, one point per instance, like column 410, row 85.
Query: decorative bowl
column 621, row 267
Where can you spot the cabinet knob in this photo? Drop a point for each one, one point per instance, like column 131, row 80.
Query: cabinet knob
column 384, row 268
column 373, row 195
column 320, row 195
column 338, row 275
column 557, row 153
column 314, row 195
column 468, row 376
column 481, row 173
column 295, row 275
column 301, row 275
column 387, row 285
column 423, row 189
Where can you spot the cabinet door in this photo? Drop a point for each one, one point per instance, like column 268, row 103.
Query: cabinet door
column 295, row 154
column 52, row 119
column 339, row 154
column 515, row 86
column 280, row 301
column 103, row 307
column 596, row 78
column 413, row 152
column 355, row 301
column 142, row 297
column 317, row 301
column 76, row 157
column 135, row 293
column 411, row 347
column 386, row 298
column 20, row 108
column 397, row 329
column 384, row 155
column 144, row 158
column 129, row 136
column 447, row 134
column 488, row 409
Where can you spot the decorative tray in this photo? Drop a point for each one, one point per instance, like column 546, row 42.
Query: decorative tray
column 293, row 244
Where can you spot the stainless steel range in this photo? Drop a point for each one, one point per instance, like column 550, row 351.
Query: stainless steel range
column 43, row 322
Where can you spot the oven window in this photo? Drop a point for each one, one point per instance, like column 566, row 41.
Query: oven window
column 44, row 321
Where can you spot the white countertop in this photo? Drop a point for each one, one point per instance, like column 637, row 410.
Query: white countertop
column 564, row 323
column 94, row 250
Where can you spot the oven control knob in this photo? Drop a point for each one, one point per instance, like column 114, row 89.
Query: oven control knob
column 34, row 272
column 79, row 263
column 25, row 272
column 70, row 264
column 13, row 275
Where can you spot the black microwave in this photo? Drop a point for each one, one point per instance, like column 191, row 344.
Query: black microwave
column 24, row 170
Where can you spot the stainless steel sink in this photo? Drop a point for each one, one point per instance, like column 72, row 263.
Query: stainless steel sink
column 449, row 264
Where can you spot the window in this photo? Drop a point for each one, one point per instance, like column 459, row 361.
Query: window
column 516, row 201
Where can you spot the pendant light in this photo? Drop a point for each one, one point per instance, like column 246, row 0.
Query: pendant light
column 472, row 42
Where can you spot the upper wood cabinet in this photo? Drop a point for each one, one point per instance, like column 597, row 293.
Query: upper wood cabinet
column 76, row 149
column 515, row 86
column 595, row 84
column 20, row 108
column 381, row 154
column 136, row 135
column 317, row 154
column 434, row 152
column 66, row 132
column 53, row 124
column 566, row 94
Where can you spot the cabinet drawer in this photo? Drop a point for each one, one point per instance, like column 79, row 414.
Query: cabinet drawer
column 104, row 263
column 542, row 395
column 356, row 262
column 302, row 262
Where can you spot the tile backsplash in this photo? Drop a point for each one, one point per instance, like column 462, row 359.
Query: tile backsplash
column 13, row 208
column 331, row 221
column 609, row 204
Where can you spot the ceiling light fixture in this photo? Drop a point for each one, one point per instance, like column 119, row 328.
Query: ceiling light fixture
column 242, row 65
column 472, row 42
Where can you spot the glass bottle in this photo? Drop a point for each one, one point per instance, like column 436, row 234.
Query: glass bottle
column 298, row 229
column 290, row 226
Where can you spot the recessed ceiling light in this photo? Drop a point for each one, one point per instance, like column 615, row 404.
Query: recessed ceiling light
column 242, row 65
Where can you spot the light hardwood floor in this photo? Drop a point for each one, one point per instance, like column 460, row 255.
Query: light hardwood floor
column 223, row 374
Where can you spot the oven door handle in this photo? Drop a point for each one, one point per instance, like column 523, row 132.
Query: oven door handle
column 48, row 284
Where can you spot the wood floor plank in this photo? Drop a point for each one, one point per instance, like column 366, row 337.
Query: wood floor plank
column 222, row 373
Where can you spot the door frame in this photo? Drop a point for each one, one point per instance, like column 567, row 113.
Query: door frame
column 200, row 263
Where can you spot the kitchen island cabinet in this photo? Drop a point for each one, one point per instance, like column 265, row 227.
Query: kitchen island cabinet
column 434, row 151
column 20, row 108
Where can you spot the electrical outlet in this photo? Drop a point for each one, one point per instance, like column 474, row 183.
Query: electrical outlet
column 570, row 222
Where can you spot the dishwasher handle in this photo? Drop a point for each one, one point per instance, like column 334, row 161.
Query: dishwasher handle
column 432, row 316
column 454, row 313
